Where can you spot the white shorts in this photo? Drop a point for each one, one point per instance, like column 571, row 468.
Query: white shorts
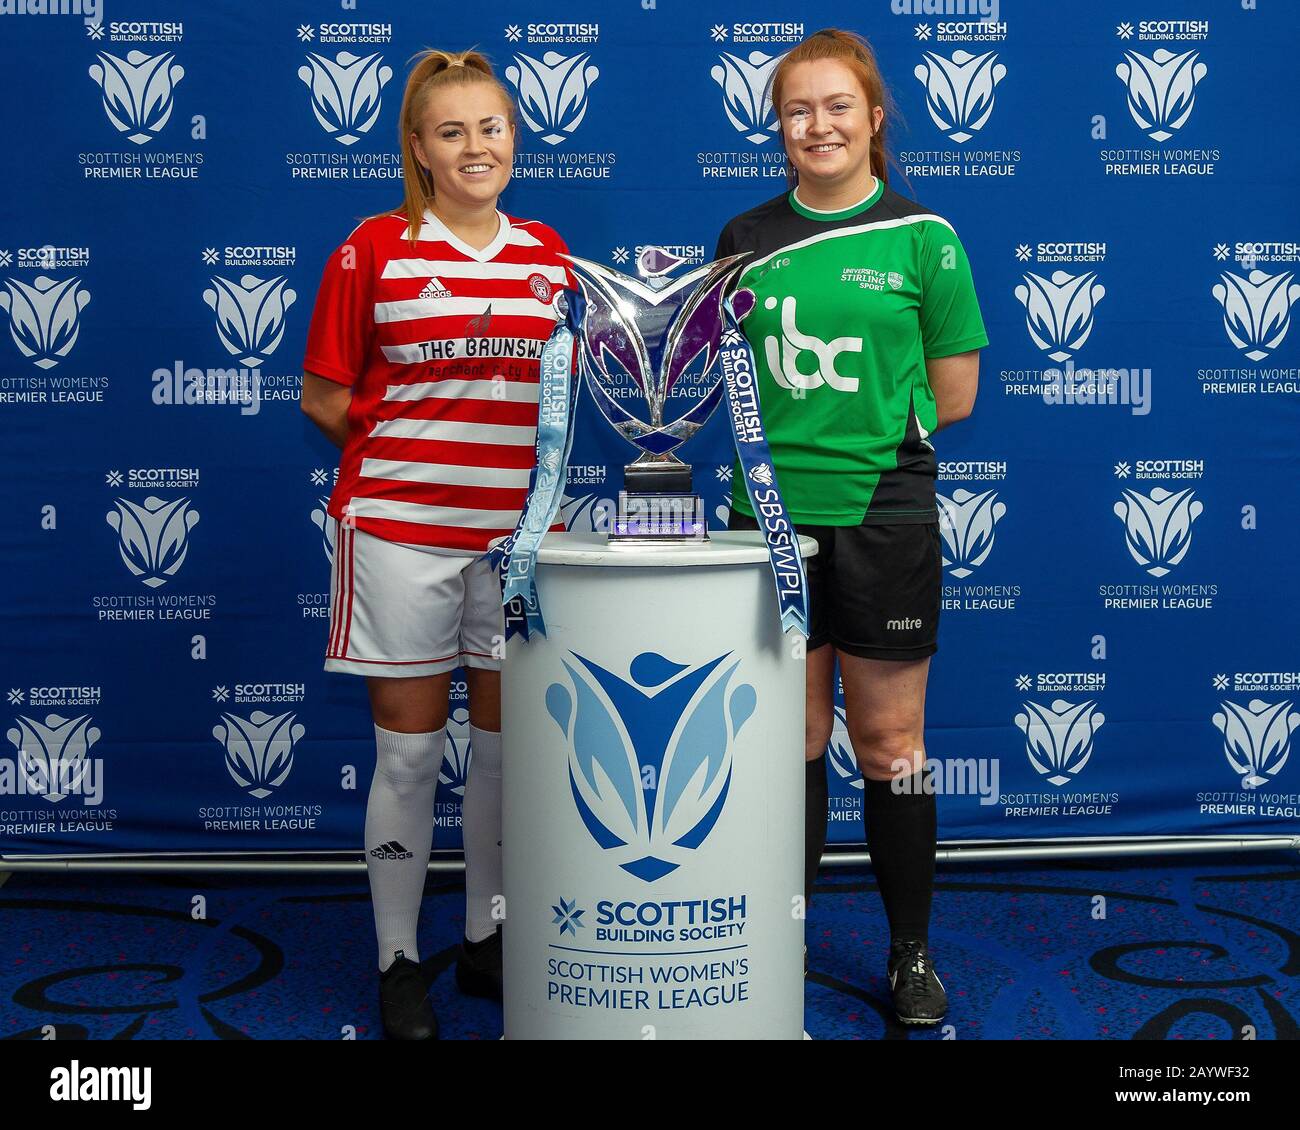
column 399, row 610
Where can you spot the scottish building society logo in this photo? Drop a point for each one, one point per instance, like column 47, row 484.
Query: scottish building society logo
column 650, row 760
column 1158, row 526
column 259, row 749
column 250, row 315
column 1059, row 737
column 153, row 536
column 553, row 92
column 747, row 93
column 1256, row 738
column 52, row 754
column 346, row 92
column 960, row 90
column 44, row 317
column 967, row 523
column 1059, row 312
column 1161, row 89
column 1256, row 309
column 137, row 91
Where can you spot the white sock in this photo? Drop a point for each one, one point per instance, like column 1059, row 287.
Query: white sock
column 481, row 831
column 399, row 834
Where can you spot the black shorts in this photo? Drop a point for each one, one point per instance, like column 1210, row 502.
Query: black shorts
column 873, row 591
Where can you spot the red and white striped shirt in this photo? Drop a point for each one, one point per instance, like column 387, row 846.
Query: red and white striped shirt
column 441, row 345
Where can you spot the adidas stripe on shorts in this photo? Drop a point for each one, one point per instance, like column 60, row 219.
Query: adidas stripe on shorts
column 400, row 610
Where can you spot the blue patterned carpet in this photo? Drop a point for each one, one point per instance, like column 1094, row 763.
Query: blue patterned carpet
column 1187, row 949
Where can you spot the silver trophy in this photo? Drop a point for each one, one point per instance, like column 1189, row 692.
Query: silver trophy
column 641, row 338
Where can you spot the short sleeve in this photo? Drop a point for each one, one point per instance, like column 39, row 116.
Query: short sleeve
column 342, row 321
column 950, row 312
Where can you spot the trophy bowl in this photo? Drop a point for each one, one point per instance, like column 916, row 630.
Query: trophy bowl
column 638, row 340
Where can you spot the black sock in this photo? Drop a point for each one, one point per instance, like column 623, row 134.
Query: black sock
column 816, row 811
column 901, row 832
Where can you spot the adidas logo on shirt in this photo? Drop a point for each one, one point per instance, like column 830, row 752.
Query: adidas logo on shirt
column 434, row 289
column 391, row 850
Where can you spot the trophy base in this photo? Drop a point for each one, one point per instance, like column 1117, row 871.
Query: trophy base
column 659, row 518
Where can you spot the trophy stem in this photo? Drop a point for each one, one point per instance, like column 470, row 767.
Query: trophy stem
column 657, row 474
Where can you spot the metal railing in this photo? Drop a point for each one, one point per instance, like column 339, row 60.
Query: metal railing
column 950, row 851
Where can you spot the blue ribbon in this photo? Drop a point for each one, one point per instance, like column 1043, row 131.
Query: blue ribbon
column 741, row 379
column 515, row 559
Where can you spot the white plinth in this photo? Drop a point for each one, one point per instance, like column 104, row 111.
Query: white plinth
column 653, row 798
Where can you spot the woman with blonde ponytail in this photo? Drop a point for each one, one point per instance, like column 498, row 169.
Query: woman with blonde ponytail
column 422, row 365
column 881, row 286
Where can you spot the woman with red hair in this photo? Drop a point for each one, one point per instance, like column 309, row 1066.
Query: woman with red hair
column 866, row 331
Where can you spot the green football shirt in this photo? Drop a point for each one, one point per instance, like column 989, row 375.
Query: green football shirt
column 848, row 307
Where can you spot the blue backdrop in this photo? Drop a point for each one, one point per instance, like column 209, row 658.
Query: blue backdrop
column 1118, row 637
